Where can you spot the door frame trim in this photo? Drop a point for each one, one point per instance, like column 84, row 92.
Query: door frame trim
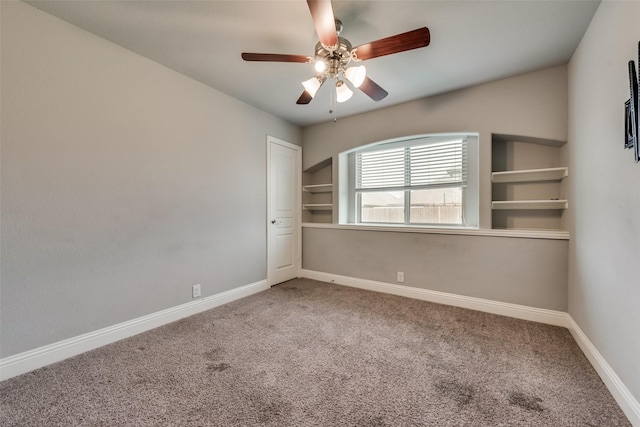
column 298, row 209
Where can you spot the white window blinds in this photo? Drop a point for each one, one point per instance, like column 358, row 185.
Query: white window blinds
column 422, row 164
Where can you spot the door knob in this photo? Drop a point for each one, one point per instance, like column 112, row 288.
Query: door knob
column 273, row 221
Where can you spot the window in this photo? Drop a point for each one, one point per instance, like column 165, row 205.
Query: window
column 415, row 181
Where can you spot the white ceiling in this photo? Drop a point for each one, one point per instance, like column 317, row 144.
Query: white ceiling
column 472, row 41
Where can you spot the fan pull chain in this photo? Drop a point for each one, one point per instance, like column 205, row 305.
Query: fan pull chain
column 333, row 104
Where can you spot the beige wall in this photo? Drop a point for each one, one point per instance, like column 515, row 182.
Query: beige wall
column 604, row 285
column 123, row 184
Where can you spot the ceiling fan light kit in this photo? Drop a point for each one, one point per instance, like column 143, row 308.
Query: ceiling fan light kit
column 343, row 93
column 333, row 54
column 312, row 85
column 356, row 75
column 332, row 61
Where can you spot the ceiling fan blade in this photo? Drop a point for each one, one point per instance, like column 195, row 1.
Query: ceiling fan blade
column 275, row 57
column 324, row 21
column 399, row 43
column 305, row 98
column 373, row 90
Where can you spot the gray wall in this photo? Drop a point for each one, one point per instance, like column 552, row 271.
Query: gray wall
column 478, row 266
column 604, row 286
column 123, row 184
column 523, row 271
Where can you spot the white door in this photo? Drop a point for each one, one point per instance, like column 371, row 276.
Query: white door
column 283, row 209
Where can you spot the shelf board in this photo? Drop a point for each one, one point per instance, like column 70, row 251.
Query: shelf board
column 530, row 175
column 318, row 188
column 317, row 207
column 495, row 232
column 530, row 204
column 528, row 139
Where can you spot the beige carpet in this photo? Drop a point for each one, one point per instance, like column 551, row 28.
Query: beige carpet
column 307, row 353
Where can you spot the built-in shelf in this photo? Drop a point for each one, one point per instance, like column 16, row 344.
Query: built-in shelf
column 528, row 185
column 317, row 192
column 317, row 206
column 318, row 188
column 530, row 175
column 530, row 204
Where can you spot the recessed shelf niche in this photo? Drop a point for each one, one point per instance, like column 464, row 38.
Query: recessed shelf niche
column 317, row 193
column 528, row 190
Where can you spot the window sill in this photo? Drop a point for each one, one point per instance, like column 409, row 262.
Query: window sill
column 526, row 234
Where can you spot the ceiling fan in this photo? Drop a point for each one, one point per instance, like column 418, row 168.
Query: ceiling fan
column 334, row 54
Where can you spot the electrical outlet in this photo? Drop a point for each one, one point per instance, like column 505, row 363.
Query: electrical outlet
column 195, row 291
column 401, row 276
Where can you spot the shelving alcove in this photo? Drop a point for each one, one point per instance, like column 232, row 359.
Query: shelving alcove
column 528, row 183
column 317, row 193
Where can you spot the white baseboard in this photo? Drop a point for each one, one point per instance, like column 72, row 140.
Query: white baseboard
column 540, row 315
column 629, row 405
column 48, row 354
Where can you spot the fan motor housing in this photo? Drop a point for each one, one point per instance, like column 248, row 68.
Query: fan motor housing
column 336, row 59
